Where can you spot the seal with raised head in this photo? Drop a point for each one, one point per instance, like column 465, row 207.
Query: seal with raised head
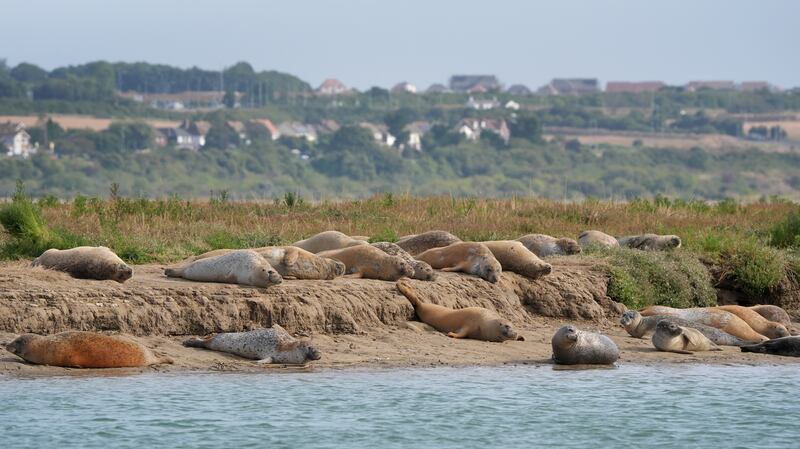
column 720, row 319
column 669, row 337
column 327, row 241
column 366, row 261
column 597, row 238
column 650, row 242
column 422, row 270
column 244, row 267
column 419, row 243
column 638, row 326
column 544, row 245
column 514, row 257
column 469, row 257
column 759, row 324
column 786, row 346
column 290, row 262
column 269, row 345
column 470, row 322
column 776, row 314
column 77, row 349
column 86, row 262
column 572, row 346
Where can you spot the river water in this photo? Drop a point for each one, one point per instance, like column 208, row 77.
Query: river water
column 664, row 406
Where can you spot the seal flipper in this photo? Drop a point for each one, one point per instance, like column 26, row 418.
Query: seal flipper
column 266, row 361
column 197, row 342
column 461, row 333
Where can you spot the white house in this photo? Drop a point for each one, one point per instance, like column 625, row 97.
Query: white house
column 416, row 130
column 512, row 105
column 297, row 129
column 332, row 86
column 404, row 87
column 380, row 133
column 15, row 140
column 471, row 128
column 482, row 105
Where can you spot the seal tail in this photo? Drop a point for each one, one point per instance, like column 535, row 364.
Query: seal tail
column 172, row 272
column 197, row 342
column 753, row 348
column 409, row 293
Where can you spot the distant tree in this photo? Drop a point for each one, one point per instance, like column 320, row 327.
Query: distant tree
column 221, row 136
column 697, row 158
column 257, row 131
column 229, row 99
column 397, row 120
column 377, row 94
column 9, row 88
column 133, row 136
column 527, row 127
column 573, row 145
column 28, row 73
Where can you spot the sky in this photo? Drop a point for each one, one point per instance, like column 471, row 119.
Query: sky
column 366, row 43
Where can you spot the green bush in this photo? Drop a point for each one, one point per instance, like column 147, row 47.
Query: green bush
column 786, row 233
column 753, row 267
column 387, row 235
column 226, row 240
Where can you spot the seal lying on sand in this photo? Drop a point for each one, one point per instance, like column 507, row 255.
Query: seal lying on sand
column 597, row 238
column 290, row 262
column 545, row 245
column 327, row 241
column 670, row 337
column 366, row 261
column 419, row 243
column 86, row 262
column 639, row 326
column 720, row 319
column 576, row 347
column 83, row 350
column 759, row 324
column 471, row 322
column 776, row 314
column 469, row 257
column 422, row 270
column 514, row 257
column 244, row 267
column 786, row 346
column 270, row 345
column 650, row 242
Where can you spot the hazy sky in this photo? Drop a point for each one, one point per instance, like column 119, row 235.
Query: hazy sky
column 365, row 43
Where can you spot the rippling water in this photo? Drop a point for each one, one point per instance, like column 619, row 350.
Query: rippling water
column 632, row 406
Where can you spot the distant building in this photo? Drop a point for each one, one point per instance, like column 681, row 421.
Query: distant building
column 327, row 126
column 297, row 129
column 437, row 89
column 416, row 131
column 273, row 130
column 570, row 86
column 380, row 133
column 482, row 105
column 332, row 86
column 404, row 88
column 633, row 87
column 471, row 128
column 465, row 83
column 188, row 135
column 512, row 105
column 693, row 86
column 752, row 86
column 15, row 140
column 519, row 90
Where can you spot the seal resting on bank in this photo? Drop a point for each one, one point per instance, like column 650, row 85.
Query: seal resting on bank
column 776, row 314
column 469, row 257
column 572, row 346
column 419, row 243
column 759, row 324
column 422, row 270
column 366, row 261
column 638, row 326
column 514, row 257
column 244, row 267
column 86, row 262
column 597, row 238
column 786, row 346
column 327, row 241
column 720, row 319
column 270, row 345
column 77, row 349
column 290, row 262
column 669, row 337
column 650, row 242
column 544, row 245
column 471, row 322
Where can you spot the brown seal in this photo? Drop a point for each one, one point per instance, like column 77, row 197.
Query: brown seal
column 597, row 238
column 513, row 256
column 419, row 243
column 572, row 346
column 366, row 261
column 669, row 337
column 544, row 245
column 83, row 350
column 328, row 240
column 650, row 242
column 471, row 322
column 720, row 319
column 638, row 326
column 469, row 257
column 290, row 262
column 422, row 270
column 86, row 262
column 776, row 314
column 759, row 324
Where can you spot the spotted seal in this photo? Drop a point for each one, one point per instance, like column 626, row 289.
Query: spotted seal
column 269, row 345
column 572, row 346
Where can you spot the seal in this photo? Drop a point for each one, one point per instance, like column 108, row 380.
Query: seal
column 572, row 346
column 86, row 262
column 290, row 262
column 366, row 261
column 776, row 314
column 419, row 243
column 597, row 238
column 638, row 326
column 270, row 345
column 513, row 256
column 77, row 349
column 327, row 241
column 244, row 267
column 759, row 324
column 786, row 346
column 470, row 322
column 669, row 337
column 650, row 242
column 469, row 257
column 720, row 319
column 544, row 245
column 422, row 270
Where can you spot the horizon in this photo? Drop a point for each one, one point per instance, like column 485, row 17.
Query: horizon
column 715, row 43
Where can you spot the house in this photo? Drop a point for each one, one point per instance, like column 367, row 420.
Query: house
column 380, row 133
column 693, row 86
column 267, row 123
column 332, row 86
column 463, row 83
column 519, row 90
column 753, row 86
column 633, row 87
column 404, row 88
column 188, row 135
column 15, row 140
column 327, row 126
column 471, row 128
column 482, row 104
column 512, row 105
column 297, row 129
column 437, row 89
column 416, row 131
column 570, row 86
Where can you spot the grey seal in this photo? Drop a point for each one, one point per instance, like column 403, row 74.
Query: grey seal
column 785, row 346
column 270, row 345
column 670, row 337
column 572, row 346
column 638, row 326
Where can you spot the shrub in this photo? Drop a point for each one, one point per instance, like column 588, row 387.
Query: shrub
column 753, row 267
column 387, row 235
column 786, row 233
